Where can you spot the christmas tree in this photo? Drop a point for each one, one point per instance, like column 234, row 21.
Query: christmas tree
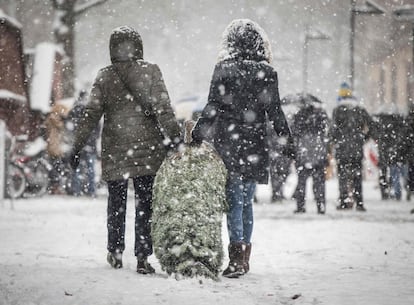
column 188, row 206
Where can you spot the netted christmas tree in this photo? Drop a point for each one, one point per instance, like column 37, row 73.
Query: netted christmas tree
column 188, row 206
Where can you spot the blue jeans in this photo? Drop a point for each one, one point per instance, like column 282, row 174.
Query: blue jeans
column 239, row 193
column 396, row 172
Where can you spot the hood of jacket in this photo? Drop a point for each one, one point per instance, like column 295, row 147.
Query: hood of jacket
column 243, row 39
column 125, row 44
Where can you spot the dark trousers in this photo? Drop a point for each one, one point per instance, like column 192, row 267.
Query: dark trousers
column 410, row 176
column 318, row 176
column 118, row 191
column 384, row 182
column 279, row 171
column 56, row 171
column 350, row 181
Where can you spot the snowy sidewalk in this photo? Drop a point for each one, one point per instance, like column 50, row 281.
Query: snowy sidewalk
column 53, row 252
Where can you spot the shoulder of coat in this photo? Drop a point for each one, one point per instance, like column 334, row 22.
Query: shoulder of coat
column 103, row 73
column 105, row 69
column 145, row 64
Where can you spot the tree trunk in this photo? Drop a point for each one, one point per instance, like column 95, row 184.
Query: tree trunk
column 63, row 28
column 66, row 12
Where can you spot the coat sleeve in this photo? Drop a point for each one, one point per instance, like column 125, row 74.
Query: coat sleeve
column 161, row 104
column 274, row 110
column 91, row 116
column 370, row 125
column 333, row 128
column 211, row 110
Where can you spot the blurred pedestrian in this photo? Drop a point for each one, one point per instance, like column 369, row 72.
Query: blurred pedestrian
column 390, row 136
column 88, row 155
column 310, row 133
column 57, row 146
column 243, row 92
column 139, row 126
column 351, row 127
column 410, row 150
column 279, row 165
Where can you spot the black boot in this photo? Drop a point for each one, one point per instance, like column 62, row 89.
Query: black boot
column 360, row 207
column 115, row 259
column 236, row 256
column 300, row 208
column 300, row 204
column 143, row 267
column 247, row 252
column 344, row 205
column 321, row 208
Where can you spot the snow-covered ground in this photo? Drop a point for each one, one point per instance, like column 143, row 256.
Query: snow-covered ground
column 53, row 251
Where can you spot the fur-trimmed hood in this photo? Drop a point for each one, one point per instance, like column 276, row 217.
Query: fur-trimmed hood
column 244, row 39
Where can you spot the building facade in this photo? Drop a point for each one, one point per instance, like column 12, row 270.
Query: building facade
column 14, row 101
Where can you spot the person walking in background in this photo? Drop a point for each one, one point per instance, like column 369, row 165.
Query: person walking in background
column 351, row 127
column 57, row 145
column 410, row 150
column 279, row 165
column 310, row 135
column 88, row 154
column 390, row 136
column 139, row 126
column 243, row 92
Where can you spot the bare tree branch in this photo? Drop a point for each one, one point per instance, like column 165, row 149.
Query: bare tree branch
column 81, row 8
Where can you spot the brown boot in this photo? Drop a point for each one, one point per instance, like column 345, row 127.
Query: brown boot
column 246, row 264
column 236, row 256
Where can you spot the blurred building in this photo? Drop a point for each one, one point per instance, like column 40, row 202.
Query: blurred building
column 14, row 101
column 30, row 79
column 387, row 73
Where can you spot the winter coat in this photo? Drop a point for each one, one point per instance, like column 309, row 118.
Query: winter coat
column 390, row 136
column 351, row 127
column 132, row 143
column 55, row 131
column 243, row 91
column 309, row 129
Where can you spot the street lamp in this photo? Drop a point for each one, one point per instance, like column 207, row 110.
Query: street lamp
column 369, row 8
column 309, row 35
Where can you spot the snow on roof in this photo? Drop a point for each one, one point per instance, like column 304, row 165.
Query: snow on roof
column 42, row 79
column 6, row 94
column 10, row 20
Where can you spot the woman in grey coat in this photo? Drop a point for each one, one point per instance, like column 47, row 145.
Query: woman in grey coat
column 134, row 142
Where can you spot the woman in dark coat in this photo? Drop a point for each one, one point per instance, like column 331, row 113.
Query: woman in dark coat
column 133, row 145
column 243, row 92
